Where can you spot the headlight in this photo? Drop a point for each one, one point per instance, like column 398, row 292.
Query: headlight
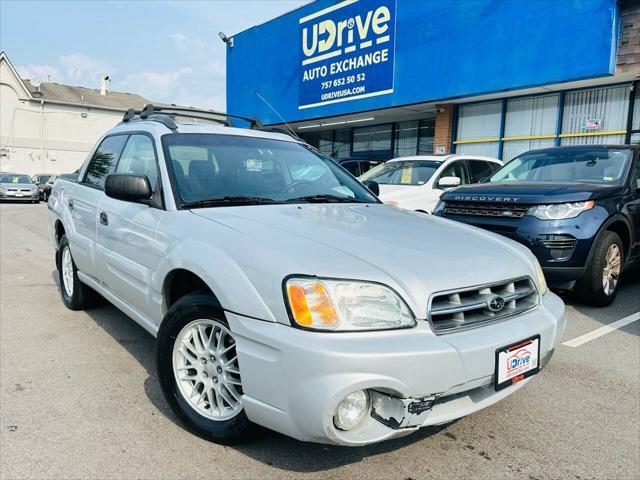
column 560, row 211
column 439, row 206
column 345, row 305
column 542, row 282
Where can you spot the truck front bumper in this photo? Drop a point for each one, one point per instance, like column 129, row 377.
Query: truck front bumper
column 293, row 380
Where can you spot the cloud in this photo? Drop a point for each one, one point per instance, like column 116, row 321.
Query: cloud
column 156, row 85
column 43, row 73
column 74, row 68
column 83, row 69
column 181, row 41
column 195, row 77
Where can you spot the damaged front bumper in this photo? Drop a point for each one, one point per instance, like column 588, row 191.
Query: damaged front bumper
column 294, row 380
column 396, row 412
column 410, row 413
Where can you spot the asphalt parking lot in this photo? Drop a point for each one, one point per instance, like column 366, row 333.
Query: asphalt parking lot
column 79, row 398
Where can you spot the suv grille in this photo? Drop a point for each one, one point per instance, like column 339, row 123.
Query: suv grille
column 486, row 209
column 469, row 307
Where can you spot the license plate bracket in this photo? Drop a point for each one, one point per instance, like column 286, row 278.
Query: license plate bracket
column 517, row 361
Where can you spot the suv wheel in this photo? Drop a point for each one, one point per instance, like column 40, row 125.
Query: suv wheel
column 199, row 372
column 600, row 283
column 75, row 294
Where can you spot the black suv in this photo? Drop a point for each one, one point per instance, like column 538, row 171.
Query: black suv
column 576, row 208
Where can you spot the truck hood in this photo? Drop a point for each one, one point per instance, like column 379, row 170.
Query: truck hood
column 415, row 254
column 531, row 192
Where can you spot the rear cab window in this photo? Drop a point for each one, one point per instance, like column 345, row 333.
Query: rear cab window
column 139, row 157
column 104, row 161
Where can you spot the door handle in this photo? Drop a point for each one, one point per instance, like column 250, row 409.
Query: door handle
column 104, row 219
column 70, row 204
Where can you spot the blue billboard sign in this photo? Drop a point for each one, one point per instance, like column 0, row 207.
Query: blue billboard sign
column 346, row 53
column 334, row 57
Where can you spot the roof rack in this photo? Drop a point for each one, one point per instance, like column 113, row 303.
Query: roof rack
column 164, row 115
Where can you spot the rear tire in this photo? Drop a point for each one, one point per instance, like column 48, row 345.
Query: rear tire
column 75, row 294
column 203, row 386
column 601, row 281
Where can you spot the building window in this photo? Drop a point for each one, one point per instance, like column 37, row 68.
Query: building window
column 406, row 138
column 426, row 132
column 323, row 141
column 635, row 121
column 595, row 116
column 342, row 143
column 479, row 128
column 372, row 139
column 530, row 123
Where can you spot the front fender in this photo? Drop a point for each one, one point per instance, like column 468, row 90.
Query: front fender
column 226, row 279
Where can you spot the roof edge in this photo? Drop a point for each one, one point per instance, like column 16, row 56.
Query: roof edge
column 26, row 91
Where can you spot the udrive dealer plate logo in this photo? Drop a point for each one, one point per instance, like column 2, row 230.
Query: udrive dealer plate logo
column 347, row 52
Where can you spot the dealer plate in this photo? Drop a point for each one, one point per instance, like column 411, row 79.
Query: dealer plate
column 517, row 361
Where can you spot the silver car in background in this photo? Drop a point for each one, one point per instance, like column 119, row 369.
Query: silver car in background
column 17, row 187
column 283, row 293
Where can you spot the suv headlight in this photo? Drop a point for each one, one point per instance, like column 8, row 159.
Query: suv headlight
column 345, row 305
column 560, row 211
column 542, row 282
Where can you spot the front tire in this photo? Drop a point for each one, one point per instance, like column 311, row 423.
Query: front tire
column 199, row 372
column 75, row 294
column 600, row 283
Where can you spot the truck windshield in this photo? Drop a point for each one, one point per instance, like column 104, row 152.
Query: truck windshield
column 409, row 172
column 598, row 165
column 222, row 170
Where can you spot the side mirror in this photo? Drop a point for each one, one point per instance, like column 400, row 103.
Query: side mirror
column 449, row 182
column 128, row 187
column 372, row 186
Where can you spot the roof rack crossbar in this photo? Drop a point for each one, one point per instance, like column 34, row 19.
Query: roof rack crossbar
column 166, row 120
column 255, row 123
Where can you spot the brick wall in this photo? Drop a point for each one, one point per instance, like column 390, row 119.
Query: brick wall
column 629, row 43
column 444, row 126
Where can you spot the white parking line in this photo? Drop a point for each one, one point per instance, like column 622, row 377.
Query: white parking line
column 587, row 337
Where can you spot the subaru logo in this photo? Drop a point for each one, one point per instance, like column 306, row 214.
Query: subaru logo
column 495, row 303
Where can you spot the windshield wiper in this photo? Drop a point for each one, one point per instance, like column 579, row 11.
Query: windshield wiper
column 324, row 199
column 229, row 201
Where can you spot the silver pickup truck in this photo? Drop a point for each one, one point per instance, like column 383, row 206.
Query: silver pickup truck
column 283, row 293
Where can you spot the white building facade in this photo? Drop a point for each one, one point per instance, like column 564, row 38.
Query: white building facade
column 49, row 127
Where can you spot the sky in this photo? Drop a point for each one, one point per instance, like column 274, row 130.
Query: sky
column 167, row 51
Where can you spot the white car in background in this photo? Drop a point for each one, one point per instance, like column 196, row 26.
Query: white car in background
column 416, row 183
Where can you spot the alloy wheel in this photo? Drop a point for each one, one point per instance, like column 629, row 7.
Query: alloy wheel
column 67, row 271
column 611, row 270
column 205, row 366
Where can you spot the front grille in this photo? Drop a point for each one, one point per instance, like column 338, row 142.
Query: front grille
column 486, row 209
column 470, row 307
